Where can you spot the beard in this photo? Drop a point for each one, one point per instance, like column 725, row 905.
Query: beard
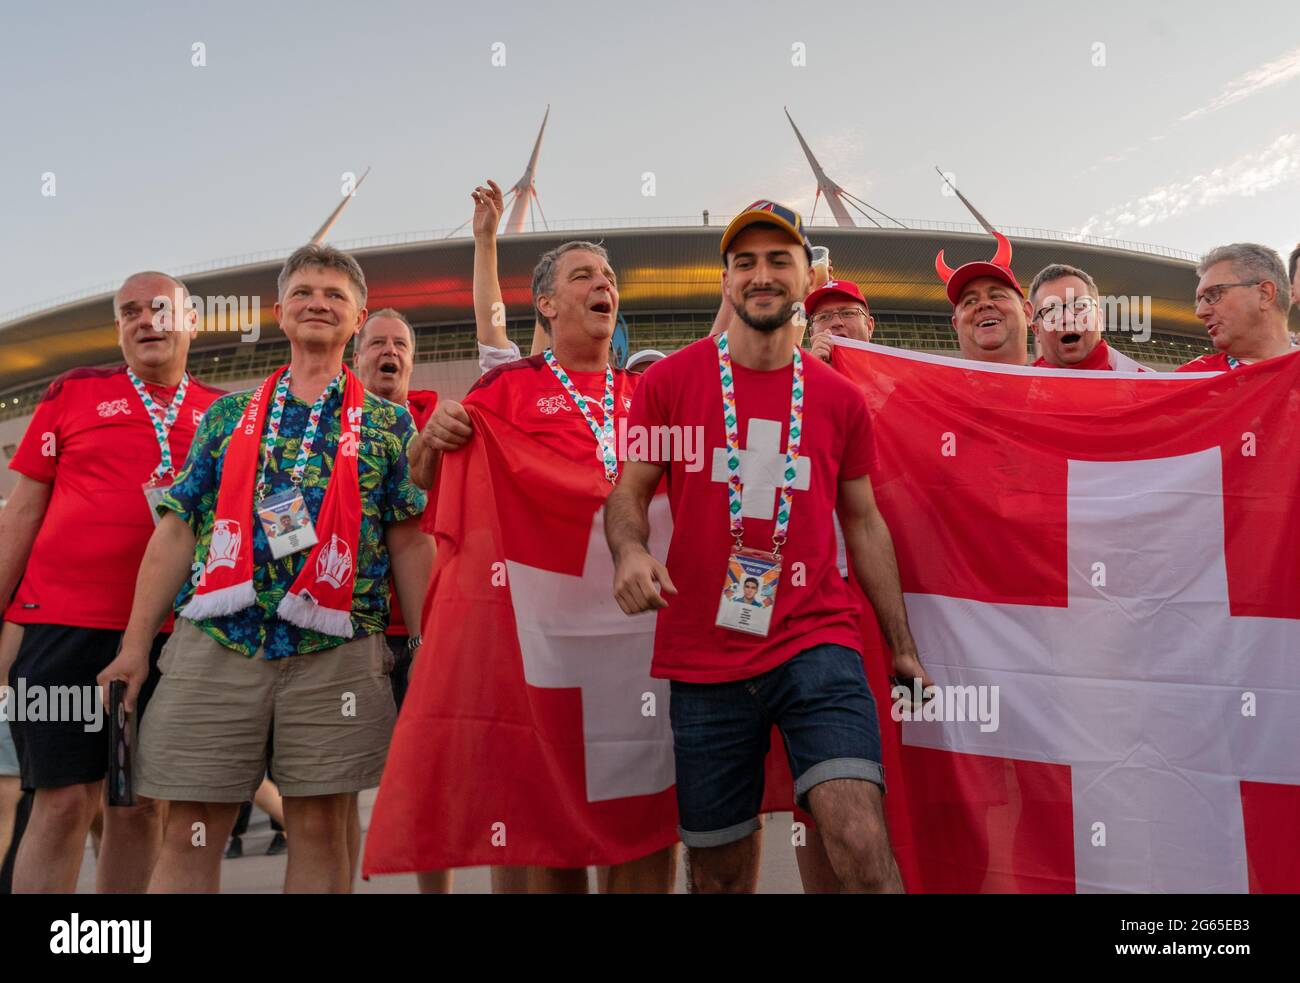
column 766, row 324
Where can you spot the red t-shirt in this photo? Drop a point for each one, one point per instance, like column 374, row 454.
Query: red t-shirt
column 422, row 403
column 92, row 439
column 813, row 603
column 1214, row 362
column 526, row 392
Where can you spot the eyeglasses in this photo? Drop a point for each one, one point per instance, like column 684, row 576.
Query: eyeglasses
column 847, row 314
column 1212, row 295
column 1054, row 314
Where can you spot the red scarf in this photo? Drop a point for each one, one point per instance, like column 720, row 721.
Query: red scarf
column 321, row 597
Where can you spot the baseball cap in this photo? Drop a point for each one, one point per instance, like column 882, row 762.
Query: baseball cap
column 773, row 213
column 999, row 267
column 643, row 359
column 834, row 288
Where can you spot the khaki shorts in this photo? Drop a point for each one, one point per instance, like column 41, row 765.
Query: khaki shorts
column 323, row 720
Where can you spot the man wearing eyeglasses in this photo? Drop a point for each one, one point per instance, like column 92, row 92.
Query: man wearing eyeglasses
column 1243, row 297
column 837, row 308
column 1068, row 322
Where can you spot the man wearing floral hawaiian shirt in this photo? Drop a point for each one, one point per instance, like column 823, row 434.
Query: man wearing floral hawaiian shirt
column 278, row 657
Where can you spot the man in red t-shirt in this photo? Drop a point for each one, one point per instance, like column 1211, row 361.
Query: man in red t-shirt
column 575, row 294
column 737, row 669
column 74, row 533
column 383, row 356
column 1244, row 297
column 1068, row 322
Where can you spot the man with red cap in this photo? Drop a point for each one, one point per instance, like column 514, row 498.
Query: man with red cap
column 1068, row 322
column 989, row 311
column 837, row 308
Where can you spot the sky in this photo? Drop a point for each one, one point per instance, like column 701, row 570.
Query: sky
column 1176, row 124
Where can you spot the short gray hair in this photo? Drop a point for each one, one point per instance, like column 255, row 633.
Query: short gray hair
column 185, row 291
column 392, row 312
column 544, row 272
column 1251, row 261
column 328, row 257
column 1056, row 271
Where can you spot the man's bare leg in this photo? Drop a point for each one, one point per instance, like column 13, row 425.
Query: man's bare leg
column 509, row 880
column 131, row 844
column 434, row 881
column 11, row 792
column 49, row 857
column 730, row 869
column 354, row 840
column 815, row 871
column 851, row 818
column 316, row 827
column 655, row 873
column 558, row 880
column 193, row 843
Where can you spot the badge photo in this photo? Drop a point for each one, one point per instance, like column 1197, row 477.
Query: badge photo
column 286, row 522
column 749, row 592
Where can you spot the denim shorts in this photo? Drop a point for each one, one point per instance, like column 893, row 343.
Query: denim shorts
column 721, row 733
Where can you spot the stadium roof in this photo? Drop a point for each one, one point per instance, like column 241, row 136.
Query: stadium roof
column 667, row 268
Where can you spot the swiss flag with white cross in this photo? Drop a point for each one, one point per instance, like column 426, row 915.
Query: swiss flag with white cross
column 532, row 732
column 1117, row 557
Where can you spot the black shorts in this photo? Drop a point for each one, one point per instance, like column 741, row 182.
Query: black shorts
column 73, row 749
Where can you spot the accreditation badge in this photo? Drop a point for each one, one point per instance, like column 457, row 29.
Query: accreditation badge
column 286, row 522
column 154, row 491
column 749, row 592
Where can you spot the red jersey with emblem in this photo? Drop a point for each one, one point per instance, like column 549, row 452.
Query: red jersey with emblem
column 813, row 603
column 91, row 438
column 421, row 403
column 527, row 392
column 1214, row 362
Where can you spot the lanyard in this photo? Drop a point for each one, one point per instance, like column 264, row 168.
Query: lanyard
column 162, row 419
column 731, row 422
column 604, row 435
column 308, row 436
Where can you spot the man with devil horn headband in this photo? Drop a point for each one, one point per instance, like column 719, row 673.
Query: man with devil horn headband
column 989, row 311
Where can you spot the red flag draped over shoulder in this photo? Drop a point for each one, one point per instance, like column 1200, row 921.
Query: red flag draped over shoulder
column 532, row 733
column 1113, row 557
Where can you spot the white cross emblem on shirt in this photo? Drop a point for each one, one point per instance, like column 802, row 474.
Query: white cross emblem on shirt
column 762, row 469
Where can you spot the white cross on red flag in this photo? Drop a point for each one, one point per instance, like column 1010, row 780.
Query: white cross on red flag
column 1117, row 555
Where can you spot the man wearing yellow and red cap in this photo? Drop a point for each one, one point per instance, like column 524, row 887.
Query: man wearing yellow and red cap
column 837, row 309
column 989, row 311
column 762, row 511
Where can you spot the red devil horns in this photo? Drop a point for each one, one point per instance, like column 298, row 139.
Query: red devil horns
column 943, row 269
column 1000, row 258
column 1003, row 256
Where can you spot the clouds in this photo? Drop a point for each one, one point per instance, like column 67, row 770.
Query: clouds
column 1266, row 76
column 1274, row 166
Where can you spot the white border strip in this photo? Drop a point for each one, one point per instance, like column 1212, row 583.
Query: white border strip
column 970, row 365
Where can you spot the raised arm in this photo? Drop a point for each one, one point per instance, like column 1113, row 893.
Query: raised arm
column 871, row 553
column 639, row 579
column 489, row 308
